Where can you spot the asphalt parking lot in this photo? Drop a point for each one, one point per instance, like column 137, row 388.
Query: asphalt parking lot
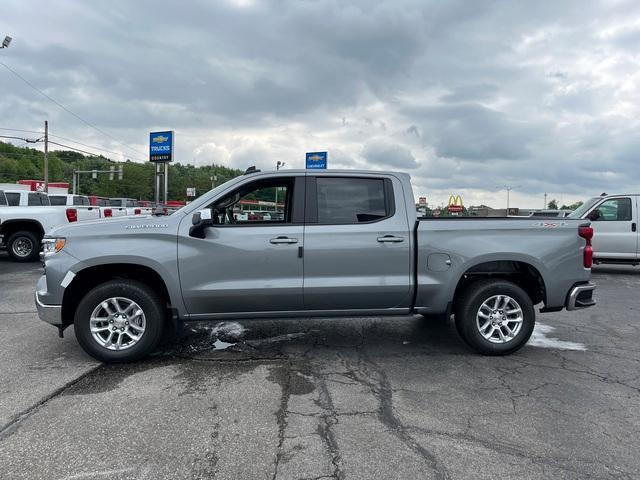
column 339, row 398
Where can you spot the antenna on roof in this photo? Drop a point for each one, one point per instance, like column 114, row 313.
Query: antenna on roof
column 251, row 169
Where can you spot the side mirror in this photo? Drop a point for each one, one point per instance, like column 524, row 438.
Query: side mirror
column 200, row 221
column 594, row 215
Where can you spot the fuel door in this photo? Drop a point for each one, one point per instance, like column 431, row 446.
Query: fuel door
column 438, row 262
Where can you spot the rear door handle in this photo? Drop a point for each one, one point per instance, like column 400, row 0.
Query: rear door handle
column 283, row 240
column 390, row 239
column 633, row 227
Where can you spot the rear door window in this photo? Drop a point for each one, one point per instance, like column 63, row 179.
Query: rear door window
column 13, row 199
column 38, row 200
column 57, row 200
column 351, row 200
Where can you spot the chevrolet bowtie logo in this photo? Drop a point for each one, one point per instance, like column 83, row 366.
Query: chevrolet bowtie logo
column 159, row 139
column 315, row 158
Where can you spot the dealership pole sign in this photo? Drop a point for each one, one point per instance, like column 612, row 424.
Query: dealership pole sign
column 161, row 146
column 316, row 160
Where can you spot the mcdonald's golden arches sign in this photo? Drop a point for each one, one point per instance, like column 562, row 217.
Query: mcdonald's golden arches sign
column 455, row 204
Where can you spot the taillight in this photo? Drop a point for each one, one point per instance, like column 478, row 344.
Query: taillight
column 587, row 256
column 108, row 212
column 72, row 215
column 137, row 211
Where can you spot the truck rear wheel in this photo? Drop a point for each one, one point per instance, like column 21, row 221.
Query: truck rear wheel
column 120, row 321
column 495, row 317
column 23, row 246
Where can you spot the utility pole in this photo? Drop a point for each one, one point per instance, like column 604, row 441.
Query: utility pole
column 545, row 200
column 46, row 156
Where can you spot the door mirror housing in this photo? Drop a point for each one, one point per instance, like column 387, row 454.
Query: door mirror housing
column 594, row 215
column 200, row 221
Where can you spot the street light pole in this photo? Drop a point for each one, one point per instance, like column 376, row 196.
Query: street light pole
column 508, row 188
column 278, row 165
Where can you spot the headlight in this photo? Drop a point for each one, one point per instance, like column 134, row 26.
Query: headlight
column 51, row 246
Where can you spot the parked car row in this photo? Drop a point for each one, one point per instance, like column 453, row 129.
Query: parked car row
column 26, row 216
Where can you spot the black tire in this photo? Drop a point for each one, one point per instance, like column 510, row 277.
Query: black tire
column 148, row 301
column 18, row 246
column 469, row 304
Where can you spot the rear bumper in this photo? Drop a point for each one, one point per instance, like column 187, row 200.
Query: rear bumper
column 581, row 296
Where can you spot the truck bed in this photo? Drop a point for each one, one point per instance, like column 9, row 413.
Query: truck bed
column 448, row 249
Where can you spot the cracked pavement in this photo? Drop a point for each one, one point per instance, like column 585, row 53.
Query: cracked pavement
column 325, row 398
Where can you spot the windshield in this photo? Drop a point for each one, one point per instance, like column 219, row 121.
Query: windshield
column 214, row 192
column 580, row 211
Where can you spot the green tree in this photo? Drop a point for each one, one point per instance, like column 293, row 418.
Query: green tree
column 573, row 206
column 20, row 163
column 553, row 205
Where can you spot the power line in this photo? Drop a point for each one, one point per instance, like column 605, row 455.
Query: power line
column 19, row 130
column 66, row 109
column 26, row 140
column 76, row 149
column 94, row 147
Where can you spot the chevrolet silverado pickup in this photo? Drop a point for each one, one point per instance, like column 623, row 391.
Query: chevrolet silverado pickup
column 338, row 243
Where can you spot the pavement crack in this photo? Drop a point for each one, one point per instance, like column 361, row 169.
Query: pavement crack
column 283, row 376
column 325, row 429
column 12, row 426
column 375, row 378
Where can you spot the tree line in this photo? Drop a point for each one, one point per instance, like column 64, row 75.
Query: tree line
column 20, row 163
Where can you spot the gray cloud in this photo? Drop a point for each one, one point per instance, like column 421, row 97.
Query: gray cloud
column 463, row 94
column 379, row 152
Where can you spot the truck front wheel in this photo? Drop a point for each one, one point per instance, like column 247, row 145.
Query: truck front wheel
column 120, row 321
column 495, row 317
column 23, row 246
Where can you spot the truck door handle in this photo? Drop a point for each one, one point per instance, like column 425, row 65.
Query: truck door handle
column 633, row 227
column 283, row 240
column 390, row 239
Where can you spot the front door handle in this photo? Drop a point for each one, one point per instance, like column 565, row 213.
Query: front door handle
column 283, row 240
column 390, row 239
column 633, row 227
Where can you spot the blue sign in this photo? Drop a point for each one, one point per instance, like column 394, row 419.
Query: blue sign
column 316, row 160
column 161, row 146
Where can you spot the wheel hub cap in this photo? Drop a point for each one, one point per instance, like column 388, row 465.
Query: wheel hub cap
column 22, row 247
column 499, row 319
column 117, row 323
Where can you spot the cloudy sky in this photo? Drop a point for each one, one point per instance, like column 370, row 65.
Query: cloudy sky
column 466, row 96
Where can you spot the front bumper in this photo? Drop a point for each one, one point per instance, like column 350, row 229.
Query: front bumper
column 48, row 313
column 581, row 296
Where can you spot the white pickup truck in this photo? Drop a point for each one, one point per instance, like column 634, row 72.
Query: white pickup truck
column 26, row 198
column 614, row 219
column 132, row 206
column 105, row 208
column 85, row 210
column 22, row 228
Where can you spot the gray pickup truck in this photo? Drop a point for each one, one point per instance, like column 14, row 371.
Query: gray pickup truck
column 330, row 243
